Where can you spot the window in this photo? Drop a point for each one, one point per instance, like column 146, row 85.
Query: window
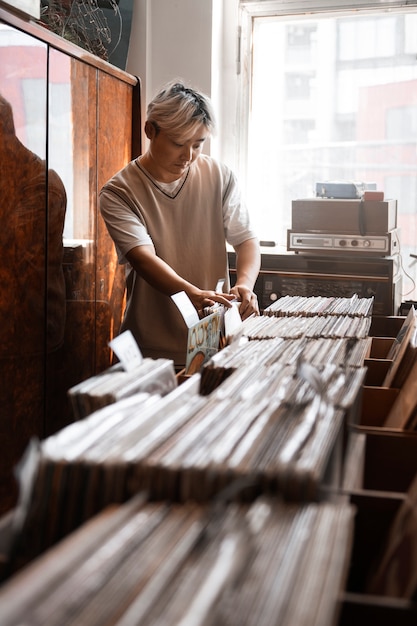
column 401, row 123
column 329, row 96
column 367, row 38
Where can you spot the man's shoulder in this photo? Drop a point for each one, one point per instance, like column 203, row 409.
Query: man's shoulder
column 213, row 166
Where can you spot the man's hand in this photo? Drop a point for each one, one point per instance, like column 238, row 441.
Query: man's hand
column 206, row 298
column 248, row 301
column 248, row 262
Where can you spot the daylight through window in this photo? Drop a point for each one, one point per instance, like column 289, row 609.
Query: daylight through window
column 333, row 98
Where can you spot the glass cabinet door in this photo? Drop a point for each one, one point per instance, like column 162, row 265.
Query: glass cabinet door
column 71, row 311
column 23, row 235
column 65, row 129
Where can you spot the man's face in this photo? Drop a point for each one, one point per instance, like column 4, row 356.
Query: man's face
column 171, row 156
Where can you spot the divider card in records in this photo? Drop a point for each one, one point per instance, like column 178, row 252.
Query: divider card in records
column 186, row 308
column 127, row 350
column 232, row 320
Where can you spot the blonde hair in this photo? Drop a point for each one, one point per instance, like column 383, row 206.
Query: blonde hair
column 179, row 110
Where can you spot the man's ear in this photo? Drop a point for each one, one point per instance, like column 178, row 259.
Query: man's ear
column 150, row 130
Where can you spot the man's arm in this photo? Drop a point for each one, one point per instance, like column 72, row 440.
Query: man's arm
column 248, row 263
column 162, row 277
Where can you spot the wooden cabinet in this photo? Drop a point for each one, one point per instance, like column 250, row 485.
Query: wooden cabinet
column 68, row 122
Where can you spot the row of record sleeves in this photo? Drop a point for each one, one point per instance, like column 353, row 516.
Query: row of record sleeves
column 146, row 563
column 200, row 503
column 263, row 410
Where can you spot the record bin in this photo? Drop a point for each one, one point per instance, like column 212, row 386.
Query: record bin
column 374, row 516
column 379, row 474
column 380, row 469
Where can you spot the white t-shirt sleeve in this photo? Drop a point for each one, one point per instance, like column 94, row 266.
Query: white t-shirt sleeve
column 124, row 226
column 236, row 215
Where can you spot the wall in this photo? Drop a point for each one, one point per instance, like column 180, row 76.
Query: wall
column 194, row 40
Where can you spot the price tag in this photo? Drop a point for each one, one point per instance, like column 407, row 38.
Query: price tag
column 127, row 350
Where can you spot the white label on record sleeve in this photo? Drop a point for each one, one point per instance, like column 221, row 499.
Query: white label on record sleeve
column 186, row 308
column 127, row 350
column 232, row 319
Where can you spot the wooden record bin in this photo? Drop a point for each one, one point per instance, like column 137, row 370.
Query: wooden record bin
column 381, row 471
column 374, row 516
column 378, row 399
column 69, row 121
column 381, row 467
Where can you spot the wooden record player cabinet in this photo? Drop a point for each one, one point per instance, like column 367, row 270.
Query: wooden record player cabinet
column 68, row 122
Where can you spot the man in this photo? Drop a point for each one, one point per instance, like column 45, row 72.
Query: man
column 170, row 213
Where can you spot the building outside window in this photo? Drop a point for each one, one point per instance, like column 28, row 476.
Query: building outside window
column 329, row 96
